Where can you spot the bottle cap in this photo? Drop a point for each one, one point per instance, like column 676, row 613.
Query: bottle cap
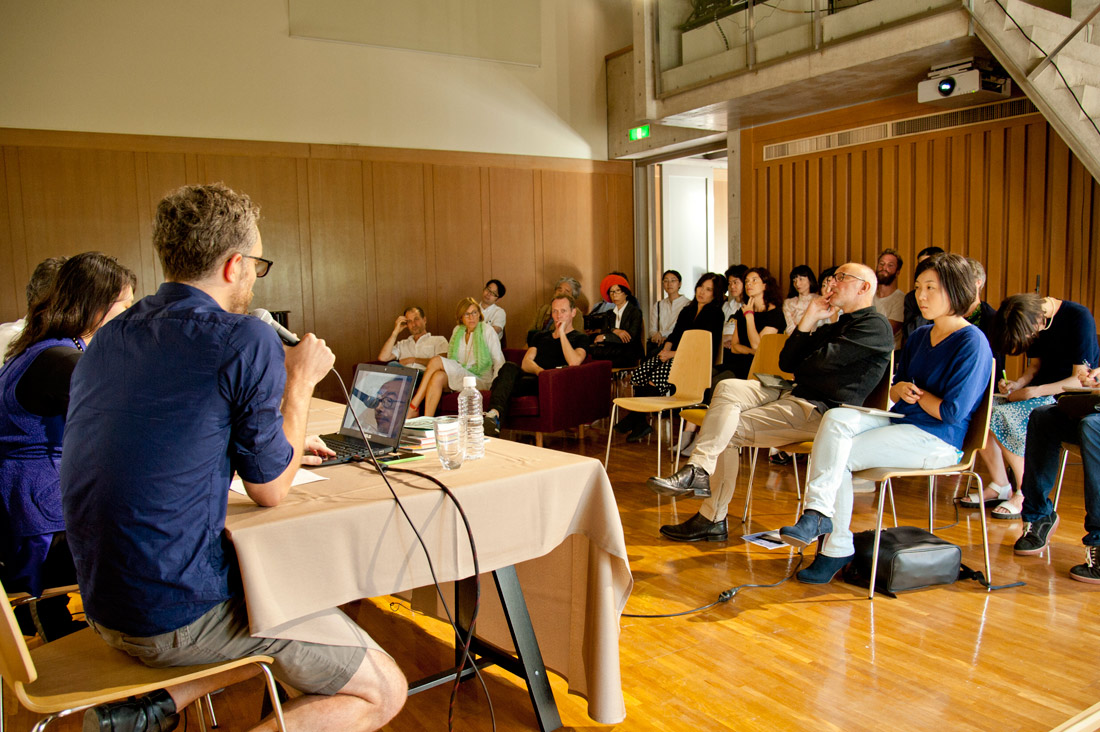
column 469, row 382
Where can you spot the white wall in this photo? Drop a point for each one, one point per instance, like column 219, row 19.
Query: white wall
column 207, row 68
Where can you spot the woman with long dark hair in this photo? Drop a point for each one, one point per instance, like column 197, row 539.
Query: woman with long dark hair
column 762, row 314
column 802, row 291
column 90, row 289
column 704, row 312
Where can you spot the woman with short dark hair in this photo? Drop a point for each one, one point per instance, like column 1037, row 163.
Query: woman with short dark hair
column 90, row 289
column 1059, row 338
column 942, row 374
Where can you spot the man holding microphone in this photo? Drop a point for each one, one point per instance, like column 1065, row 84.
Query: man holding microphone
column 184, row 391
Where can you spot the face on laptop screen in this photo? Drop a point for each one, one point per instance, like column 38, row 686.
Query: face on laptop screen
column 379, row 400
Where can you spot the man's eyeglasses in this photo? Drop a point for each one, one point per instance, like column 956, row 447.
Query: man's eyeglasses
column 388, row 402
column 492, row 292
column 263, row 266
column 841, row 276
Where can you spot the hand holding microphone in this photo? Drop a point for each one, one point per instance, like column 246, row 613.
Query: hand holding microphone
column 308, row 361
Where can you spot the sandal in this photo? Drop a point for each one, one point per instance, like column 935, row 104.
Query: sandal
column 1008, row 513
column 972, row 499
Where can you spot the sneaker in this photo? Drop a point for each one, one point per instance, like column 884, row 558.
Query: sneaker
column 1090, row 570
column 1036, row 536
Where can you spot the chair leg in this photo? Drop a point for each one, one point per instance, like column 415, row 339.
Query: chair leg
column 878, row 535
column 273, row 690
column 659, row 430
column 797, row 482
column 985, row 533
column 538, row 439
column 210, row 710
column 931, row 504
column 893, row 507
column 580, row 432
column 200, row 714
column 1061, row 475
column 748, row 488
column 610, row 432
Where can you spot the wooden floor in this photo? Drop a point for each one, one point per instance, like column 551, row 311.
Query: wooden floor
column 792, row 657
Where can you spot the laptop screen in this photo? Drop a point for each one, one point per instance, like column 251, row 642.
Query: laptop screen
column 380, row 397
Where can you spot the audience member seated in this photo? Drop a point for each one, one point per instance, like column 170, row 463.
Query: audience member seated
column 416, row 350
column 651, row 377
column 1059, row 337
column 474, row 351
column 87, row 291
column 762, row 314
column 889, row 300
column 620, row 340
column 663, row 314
column 911, row 312
column 835, row 364
column 735, row 300
column 942, row 374
column 207, row 390
column 543, row 321
column 564, row 347
column 41, row 280
column 803, row 289
column 1073, row 419
column 493, row 312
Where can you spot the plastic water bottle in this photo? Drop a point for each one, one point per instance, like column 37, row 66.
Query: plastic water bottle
column 469, row 412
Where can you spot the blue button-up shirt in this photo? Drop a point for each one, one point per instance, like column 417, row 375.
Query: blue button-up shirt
column 170, row 398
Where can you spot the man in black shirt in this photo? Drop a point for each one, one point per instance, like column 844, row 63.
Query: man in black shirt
column 839, row 363
column 563, row 346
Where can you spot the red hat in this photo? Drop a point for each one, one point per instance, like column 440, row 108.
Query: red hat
column 612, row 279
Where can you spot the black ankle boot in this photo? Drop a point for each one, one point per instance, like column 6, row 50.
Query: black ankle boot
column 155, row 712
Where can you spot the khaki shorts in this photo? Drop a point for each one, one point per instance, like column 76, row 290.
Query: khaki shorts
column 222, row 634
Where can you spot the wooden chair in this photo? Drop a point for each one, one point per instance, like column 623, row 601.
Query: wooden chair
column 690, row 374
column 80, row 671
column 973, row 443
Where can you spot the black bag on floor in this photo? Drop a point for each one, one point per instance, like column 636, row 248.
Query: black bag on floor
column 909, row 558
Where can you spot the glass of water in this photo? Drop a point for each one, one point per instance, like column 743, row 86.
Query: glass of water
column 450, row 441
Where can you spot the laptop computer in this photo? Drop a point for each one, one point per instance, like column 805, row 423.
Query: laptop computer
column 380, row 398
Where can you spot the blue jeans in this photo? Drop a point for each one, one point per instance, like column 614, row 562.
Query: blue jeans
column 1048, row 429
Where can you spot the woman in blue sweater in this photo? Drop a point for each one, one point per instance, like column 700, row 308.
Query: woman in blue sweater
column 942, row 374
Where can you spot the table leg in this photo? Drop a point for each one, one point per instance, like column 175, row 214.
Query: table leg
column 527, row 663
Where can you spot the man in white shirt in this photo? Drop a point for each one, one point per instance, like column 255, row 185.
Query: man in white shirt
column 889, row 300
column 494, row 313
column 419, row 347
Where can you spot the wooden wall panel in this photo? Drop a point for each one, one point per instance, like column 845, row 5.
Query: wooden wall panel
column 459, row 259
column 512, row 240
column 341, row 275
column 79, row 200
column 356, row 233
column 1009, row 193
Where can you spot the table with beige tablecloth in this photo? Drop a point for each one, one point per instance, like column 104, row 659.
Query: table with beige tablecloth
column 552, row 514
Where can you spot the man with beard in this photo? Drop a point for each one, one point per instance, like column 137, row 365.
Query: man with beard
column 416, row 350
column 889, row 300
column 181, row 392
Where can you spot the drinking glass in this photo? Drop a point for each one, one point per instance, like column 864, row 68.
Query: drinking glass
column 450, row 441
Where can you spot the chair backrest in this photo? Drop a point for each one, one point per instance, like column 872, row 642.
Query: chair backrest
column 16, row 665
column 978, row 431
column 690, row 372
column 766, row 359
column 879, row 398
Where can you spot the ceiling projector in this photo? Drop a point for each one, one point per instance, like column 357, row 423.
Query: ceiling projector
column 964, row 83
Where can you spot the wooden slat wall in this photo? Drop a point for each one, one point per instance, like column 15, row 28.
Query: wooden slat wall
column 357, row 233
column 1008, row 193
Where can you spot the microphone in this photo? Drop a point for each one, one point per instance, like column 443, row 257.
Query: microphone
column 287, row 337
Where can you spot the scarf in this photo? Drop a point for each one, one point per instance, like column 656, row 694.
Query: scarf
column 483, row 359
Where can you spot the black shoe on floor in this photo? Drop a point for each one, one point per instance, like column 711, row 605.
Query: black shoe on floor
column 629, row 423
column 154, row 712
column 1036, row 536
column 491, row 425
column 696, row 528
column 823, row 569
column 780, row 458
column 690, row 479
column 811, row 525
column 1090, row 570
column 639, row 434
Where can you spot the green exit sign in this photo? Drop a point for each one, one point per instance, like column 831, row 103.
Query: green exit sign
column 639, row 133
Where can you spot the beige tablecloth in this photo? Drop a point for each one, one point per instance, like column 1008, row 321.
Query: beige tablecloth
column 552, row 514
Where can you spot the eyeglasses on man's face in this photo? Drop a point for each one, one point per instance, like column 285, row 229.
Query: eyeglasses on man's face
column 842, row 276
column 263, row 266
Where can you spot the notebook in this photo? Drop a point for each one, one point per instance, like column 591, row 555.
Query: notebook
column 380, row 398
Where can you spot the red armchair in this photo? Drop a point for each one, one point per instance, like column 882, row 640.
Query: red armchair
column 569, row 397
